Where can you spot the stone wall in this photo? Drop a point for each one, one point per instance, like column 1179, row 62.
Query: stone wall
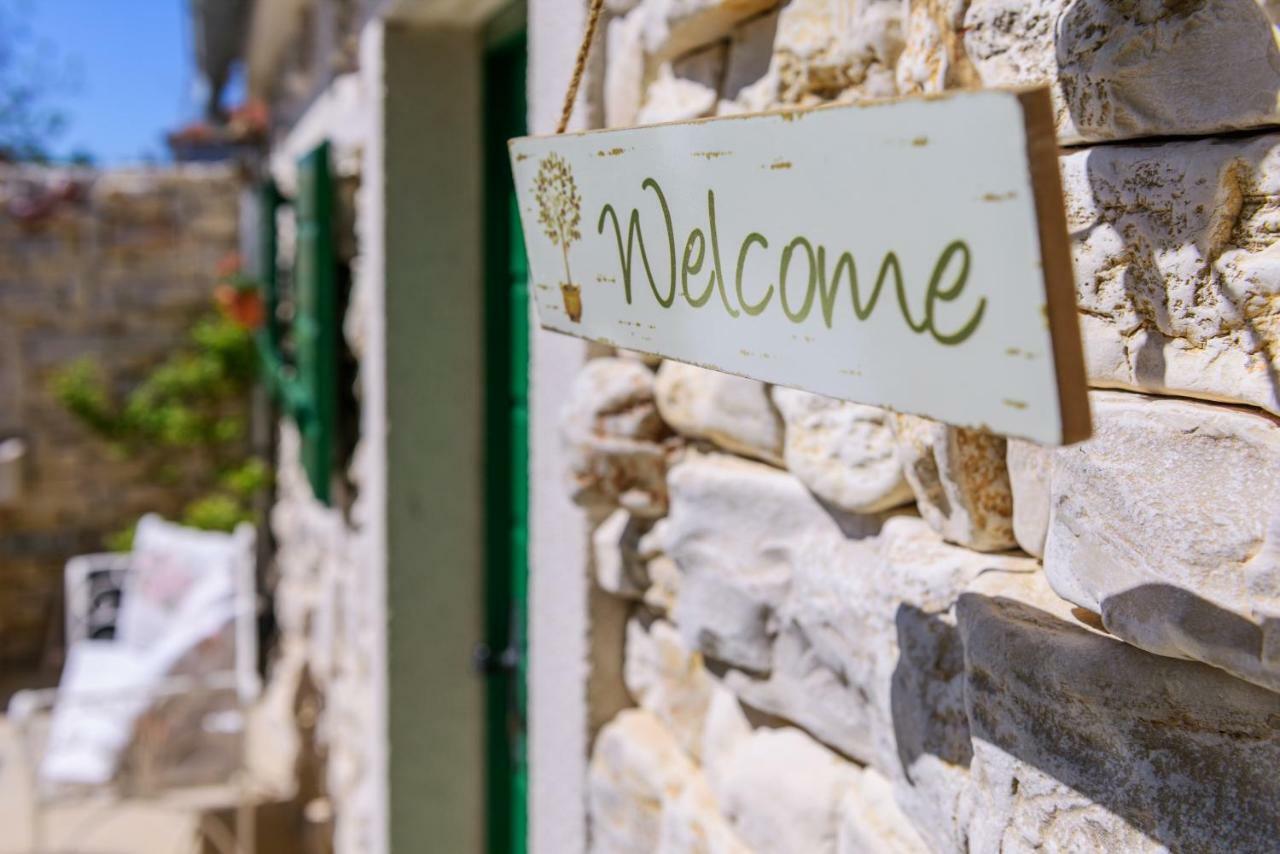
column 112, row 266
column 330, row 659
column 854, row 631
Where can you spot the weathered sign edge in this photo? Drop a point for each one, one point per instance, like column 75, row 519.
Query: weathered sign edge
column 867, row 103
column 1055, row 258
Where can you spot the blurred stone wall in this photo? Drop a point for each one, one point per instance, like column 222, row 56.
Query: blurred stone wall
column 854, row 631
column 113, row 266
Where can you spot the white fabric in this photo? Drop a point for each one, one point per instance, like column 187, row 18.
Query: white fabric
column 181, row 591
column 103, row 690
column 167, row 563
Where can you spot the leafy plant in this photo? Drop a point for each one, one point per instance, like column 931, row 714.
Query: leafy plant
column 190, row 405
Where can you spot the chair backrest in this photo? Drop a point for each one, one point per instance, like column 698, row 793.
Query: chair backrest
column 93, row 588
column 185, row 587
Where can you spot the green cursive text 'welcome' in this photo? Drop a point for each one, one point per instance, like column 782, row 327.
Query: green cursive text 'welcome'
column 805, row 276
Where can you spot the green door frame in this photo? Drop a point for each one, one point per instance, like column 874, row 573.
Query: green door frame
column 506, row 452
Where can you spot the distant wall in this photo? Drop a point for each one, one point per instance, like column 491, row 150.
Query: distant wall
column 113, row 266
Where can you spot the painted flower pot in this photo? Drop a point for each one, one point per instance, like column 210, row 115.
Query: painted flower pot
column 572, row 301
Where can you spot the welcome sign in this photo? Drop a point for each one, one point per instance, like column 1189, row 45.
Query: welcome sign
column 908, row 254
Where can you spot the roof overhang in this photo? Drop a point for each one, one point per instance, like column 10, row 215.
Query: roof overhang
column 272, row 27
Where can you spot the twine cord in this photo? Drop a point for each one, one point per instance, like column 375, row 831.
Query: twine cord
column 580, row 65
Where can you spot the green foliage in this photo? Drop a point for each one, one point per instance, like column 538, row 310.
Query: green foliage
column 79, row 388
column 217, row 512
column 190, row 404
column 121, row 541
column 188, row 401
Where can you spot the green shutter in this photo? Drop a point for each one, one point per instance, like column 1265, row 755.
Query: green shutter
column 315, row 324
column 506, row 312
column 307, row 389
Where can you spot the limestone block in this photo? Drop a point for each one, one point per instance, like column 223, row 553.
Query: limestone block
column 664, row 584
column 653, row 542
column 782, row 792
column 724, row 729
column 668, row 679
column 1115, row 70
column 750, row 76
column 846, row 50
column 735, row 530
column 673, row 98
column 1167, row 523
column 1030, row 466
column 1178, row 267
column 731, row 411
column 960, row 480
column 867, row 659
column 614, row 438
column 623, row 70
column 845, row 452
column 647, row 359
column 615, row 547
column 691, row 823
column 661, row 572
column 933, row 57
column 636, row 766
column 676, row 27
column 871, row 823
column 1081, row 742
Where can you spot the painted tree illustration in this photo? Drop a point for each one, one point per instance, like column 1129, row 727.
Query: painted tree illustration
column 559, row 205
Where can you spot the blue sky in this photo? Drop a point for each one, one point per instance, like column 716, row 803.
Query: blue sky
column 134, row 76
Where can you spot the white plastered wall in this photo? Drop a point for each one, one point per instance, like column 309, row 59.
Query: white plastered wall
column 561, row 627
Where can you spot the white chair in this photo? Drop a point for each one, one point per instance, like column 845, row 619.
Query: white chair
column 161, row 673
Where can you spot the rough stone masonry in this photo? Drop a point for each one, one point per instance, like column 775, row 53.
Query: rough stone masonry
column 860, row 632
column 114, row 266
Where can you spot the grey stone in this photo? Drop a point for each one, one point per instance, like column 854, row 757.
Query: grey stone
column 749, row 65
column 1081, row 742
column 1167, row 523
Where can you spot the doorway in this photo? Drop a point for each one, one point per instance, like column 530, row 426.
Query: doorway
column 506, row 444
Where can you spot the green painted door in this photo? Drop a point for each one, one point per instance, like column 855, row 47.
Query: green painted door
column 507, row 453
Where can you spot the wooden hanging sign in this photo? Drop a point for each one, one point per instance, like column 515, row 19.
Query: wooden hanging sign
column 910, row 254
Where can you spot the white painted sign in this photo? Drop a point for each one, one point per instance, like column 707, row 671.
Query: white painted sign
column 909, row 254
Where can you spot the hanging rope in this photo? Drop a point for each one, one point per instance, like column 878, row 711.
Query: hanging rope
column 580, row 66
